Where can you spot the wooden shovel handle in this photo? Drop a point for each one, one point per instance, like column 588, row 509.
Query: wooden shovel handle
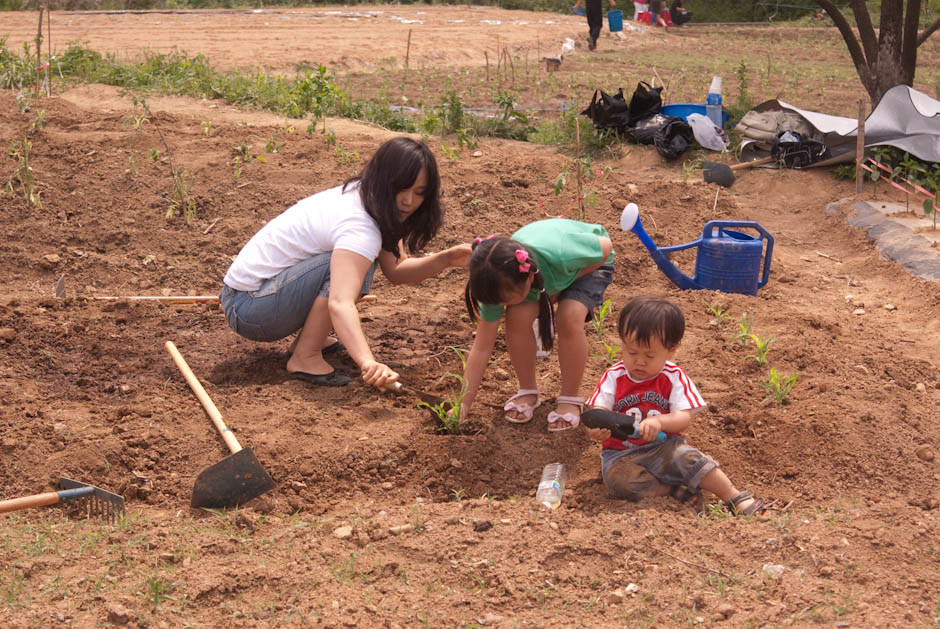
column 203, row 398
column 39, row 500
column 756, row 162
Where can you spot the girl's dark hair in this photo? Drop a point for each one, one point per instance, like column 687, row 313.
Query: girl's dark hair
column 494, row 271
column 646, row 318
column 393, row 168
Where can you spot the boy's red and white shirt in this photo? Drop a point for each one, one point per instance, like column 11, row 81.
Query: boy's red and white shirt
column 668, row 391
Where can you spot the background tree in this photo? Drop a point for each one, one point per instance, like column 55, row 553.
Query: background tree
column 888, row 57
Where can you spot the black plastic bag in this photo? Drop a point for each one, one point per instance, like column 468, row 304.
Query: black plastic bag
column 645, row 130
column 790, row 149
column 608, row 112
column 646, row 101
column 674, row 138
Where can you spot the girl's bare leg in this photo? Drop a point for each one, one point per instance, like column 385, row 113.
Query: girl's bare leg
column 572, row 351
column 521, row 345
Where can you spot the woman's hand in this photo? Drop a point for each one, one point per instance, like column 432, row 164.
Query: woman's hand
column 459, row 255
column 378, row 375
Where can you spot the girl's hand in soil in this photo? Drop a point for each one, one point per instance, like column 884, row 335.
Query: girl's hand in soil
column 598, row 434
column 649, row 428
column 378, row 375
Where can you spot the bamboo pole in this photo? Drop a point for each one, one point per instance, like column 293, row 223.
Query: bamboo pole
column 408, row 50
column 860, row 147
column 39, row 49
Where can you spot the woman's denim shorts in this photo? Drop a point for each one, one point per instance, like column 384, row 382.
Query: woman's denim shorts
column 281, row 304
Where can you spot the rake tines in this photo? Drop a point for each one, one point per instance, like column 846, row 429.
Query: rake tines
column 95, row 502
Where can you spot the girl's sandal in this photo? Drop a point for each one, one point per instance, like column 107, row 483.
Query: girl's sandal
column 569, row 418
column 520, row 407
column 756, row 507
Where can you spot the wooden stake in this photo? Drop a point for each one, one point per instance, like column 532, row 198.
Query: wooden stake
column 577, row 165
column 487, row 55
column 39, row 48
column 49, row 44
column 860, row 147
column 512, row 66
column 408, row 50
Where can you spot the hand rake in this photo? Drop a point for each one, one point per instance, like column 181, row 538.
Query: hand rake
column 93, row 501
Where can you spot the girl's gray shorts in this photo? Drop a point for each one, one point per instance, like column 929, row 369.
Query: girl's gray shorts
column 281, row 304
column 672, row 462
column 589, row 290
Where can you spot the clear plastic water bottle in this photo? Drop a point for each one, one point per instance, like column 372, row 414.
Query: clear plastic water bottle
column 552, row 485
column 713, row 102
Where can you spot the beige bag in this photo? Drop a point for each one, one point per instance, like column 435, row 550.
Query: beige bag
column 764, row 126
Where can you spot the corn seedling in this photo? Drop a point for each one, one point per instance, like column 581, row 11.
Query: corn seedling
column 154, row 155
column 20, row 151
column 744, row 330
column 159, row 590
column 778, row 386
column 611, row 354
column 762, row 347
column 243, row 156
column 718, row 311
column 452, row 154
column 39, row 121
column 207, row 127
column 599, row 316
column 457, row 494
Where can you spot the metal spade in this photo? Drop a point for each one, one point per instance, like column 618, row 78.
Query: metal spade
column 237, row 478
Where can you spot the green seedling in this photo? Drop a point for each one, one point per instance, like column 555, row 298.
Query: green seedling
column 207, row 127
column 762, row 348
column 39, row 121
column 181, row 198
column 243, row 156
column 159, row 590
column 744, row 330
column 778, row 386
column 154, row 155
column 447, row 413
column 452, row 154
column 611, row 353
column 599, row 316
column 718, row 311
column 457, row 494
column 20, row 151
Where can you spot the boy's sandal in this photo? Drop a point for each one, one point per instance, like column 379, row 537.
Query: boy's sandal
column 694, row 499
column 521, row 407
column 755, row 508
column 571, row 419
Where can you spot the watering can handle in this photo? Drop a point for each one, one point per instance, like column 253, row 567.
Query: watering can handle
column 768, row 252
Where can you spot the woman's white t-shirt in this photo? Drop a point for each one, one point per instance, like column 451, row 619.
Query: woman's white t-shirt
column 321, row 223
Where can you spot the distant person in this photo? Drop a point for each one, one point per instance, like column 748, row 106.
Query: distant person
column 560, row 261
column 657, row 8
column 595, row 18
column 660, row 397
column 306, row 268
column 678, row 13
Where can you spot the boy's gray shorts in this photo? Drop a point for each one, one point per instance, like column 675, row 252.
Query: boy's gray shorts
column 281, row 304
column 589, row 290
column 672, row 462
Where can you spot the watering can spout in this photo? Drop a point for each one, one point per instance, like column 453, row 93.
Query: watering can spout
column 630, row 221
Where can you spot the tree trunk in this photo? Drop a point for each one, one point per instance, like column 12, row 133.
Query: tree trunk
column 890, row 58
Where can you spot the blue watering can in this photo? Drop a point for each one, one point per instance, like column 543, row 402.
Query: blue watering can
column 727, row 261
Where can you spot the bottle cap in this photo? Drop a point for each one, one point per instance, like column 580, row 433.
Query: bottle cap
column 715, row 86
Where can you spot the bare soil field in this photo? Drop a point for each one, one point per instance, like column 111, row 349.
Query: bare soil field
column 378, row 520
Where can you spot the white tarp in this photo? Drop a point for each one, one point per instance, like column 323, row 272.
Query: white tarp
column 904, row 118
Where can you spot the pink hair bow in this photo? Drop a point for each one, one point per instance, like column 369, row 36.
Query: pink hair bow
column 521, row 256
column 478, row 240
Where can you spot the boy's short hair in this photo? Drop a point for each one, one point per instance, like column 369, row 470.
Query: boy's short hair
column 646, row 317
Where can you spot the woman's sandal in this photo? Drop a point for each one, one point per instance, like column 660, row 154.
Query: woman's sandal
column 525, row 409
column 755, row 508
column 569, row 418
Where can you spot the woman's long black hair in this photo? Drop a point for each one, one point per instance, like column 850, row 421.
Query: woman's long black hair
column 395, row 167
column 494, row 271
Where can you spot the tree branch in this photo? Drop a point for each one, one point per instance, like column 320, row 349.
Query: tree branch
column 855, row 50
column 928, row 32
column 866, row 32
